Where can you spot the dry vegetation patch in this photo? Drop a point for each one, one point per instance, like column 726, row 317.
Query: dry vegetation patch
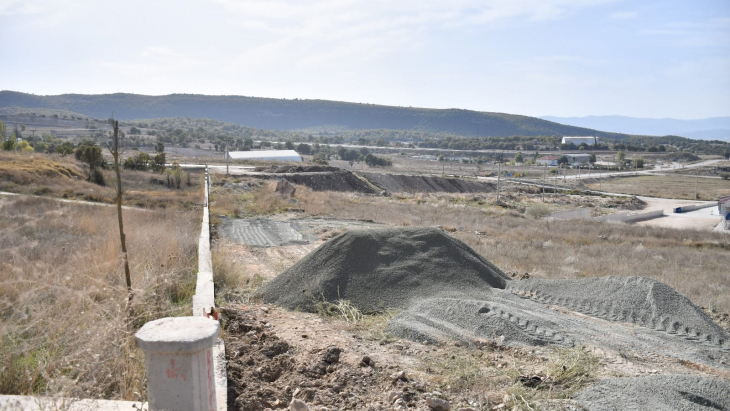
column 64, row 177
column 63, row 329
column 668, row 186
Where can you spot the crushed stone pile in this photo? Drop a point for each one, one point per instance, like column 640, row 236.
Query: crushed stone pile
column 385, row 268
column 639, row 300
column 427, row 184
column 296, row 169
column 657, row 393
column 337, row 180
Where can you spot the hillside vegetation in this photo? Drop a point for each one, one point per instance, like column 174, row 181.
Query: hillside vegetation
column 281, row 114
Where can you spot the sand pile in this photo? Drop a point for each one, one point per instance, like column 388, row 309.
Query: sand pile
column 639, row 300
column 386, row 268
column 657, row 393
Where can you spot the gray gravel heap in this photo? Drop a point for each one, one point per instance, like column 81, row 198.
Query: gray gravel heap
column 639, row 300
column 657, row 393
column 385, row 268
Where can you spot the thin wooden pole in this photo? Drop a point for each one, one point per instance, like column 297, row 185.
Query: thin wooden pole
column 122, row 237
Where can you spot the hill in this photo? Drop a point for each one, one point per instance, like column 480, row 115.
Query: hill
column 282, row 114
column 716, row 128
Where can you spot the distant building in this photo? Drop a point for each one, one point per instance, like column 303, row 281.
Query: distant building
column 588, row 140
column 548, row 160
column 578, row 158
column 266, row 155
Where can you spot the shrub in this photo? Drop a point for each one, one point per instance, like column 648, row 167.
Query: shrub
column 537, row 211
column 725, row 176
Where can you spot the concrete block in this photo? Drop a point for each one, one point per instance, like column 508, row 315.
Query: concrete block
column 179, row 360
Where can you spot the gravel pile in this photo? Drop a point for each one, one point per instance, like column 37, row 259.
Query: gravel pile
column 639, row 300
column 338, row 180
column 657, row 393
column 395, row 183
column 385, row 268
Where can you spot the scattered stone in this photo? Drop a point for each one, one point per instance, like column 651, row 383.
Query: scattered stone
column 399, row 376
column 332, row 356
column 437, row 404
column 392, row 396
column 367, row 362
column 298, row 405
column 467, row 409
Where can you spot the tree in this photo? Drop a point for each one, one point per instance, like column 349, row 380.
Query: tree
column 90, row 154
column 638, row 162
column 9, row 145
column 304, row 149
column 592, row 158
column 289, row 145
column 158, row 163
column 25, row 147
column 2, row 131
column 374, row 161
column 65, row 148
column 134, row 130
column 159, row 147
column 620, row 158
column 563, row 160
column 248, row 142
column 519, row 158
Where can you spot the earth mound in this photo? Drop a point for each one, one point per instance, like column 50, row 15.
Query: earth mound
column 337, row 180
column 658, row 393
column 385, row 268
column 395, row 183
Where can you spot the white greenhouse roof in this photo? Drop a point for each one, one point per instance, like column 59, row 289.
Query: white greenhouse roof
column 271, row 155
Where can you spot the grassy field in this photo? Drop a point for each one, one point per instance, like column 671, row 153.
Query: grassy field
column 63, row 326
column 64, row 177
column 695, row 263
column 670, row 186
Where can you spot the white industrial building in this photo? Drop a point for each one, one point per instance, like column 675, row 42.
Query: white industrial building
column 266, row 155
column 588, row 140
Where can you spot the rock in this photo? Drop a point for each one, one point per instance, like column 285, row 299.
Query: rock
column 392, row 396
column 332, row 355
column 330, row 369
column 437, row 404
column 298, row 405
column 285, row 188
column 467, row 409
column 367, row 362
column 399, row 402
column 399, row 376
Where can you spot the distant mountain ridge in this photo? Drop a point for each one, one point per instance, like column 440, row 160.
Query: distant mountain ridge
column 715, row 128
column 282, row 114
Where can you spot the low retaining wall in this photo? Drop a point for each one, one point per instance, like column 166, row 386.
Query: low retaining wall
column 580, row 213
column 628, row 217
column 688, row 208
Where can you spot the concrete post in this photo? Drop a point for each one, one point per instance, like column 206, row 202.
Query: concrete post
column 179, row 361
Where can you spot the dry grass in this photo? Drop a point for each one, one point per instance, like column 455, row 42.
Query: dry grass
column 64, row 177
column 63, row 329
column 669, row 186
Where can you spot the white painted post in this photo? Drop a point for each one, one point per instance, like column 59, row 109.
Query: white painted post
column 179, row 360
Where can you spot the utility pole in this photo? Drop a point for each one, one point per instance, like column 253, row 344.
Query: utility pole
column 544, row 173
column 499, row 175
column 697, row 179
column 33, row 131
column 228, row 157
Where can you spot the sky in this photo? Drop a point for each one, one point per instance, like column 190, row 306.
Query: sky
column 636, row 58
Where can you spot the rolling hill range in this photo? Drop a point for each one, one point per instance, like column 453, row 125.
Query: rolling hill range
column 282, row 114
column 716, row 128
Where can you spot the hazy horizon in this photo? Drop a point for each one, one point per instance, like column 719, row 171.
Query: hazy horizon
column 563, row 58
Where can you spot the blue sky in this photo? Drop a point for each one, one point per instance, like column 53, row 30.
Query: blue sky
column 532, row 57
